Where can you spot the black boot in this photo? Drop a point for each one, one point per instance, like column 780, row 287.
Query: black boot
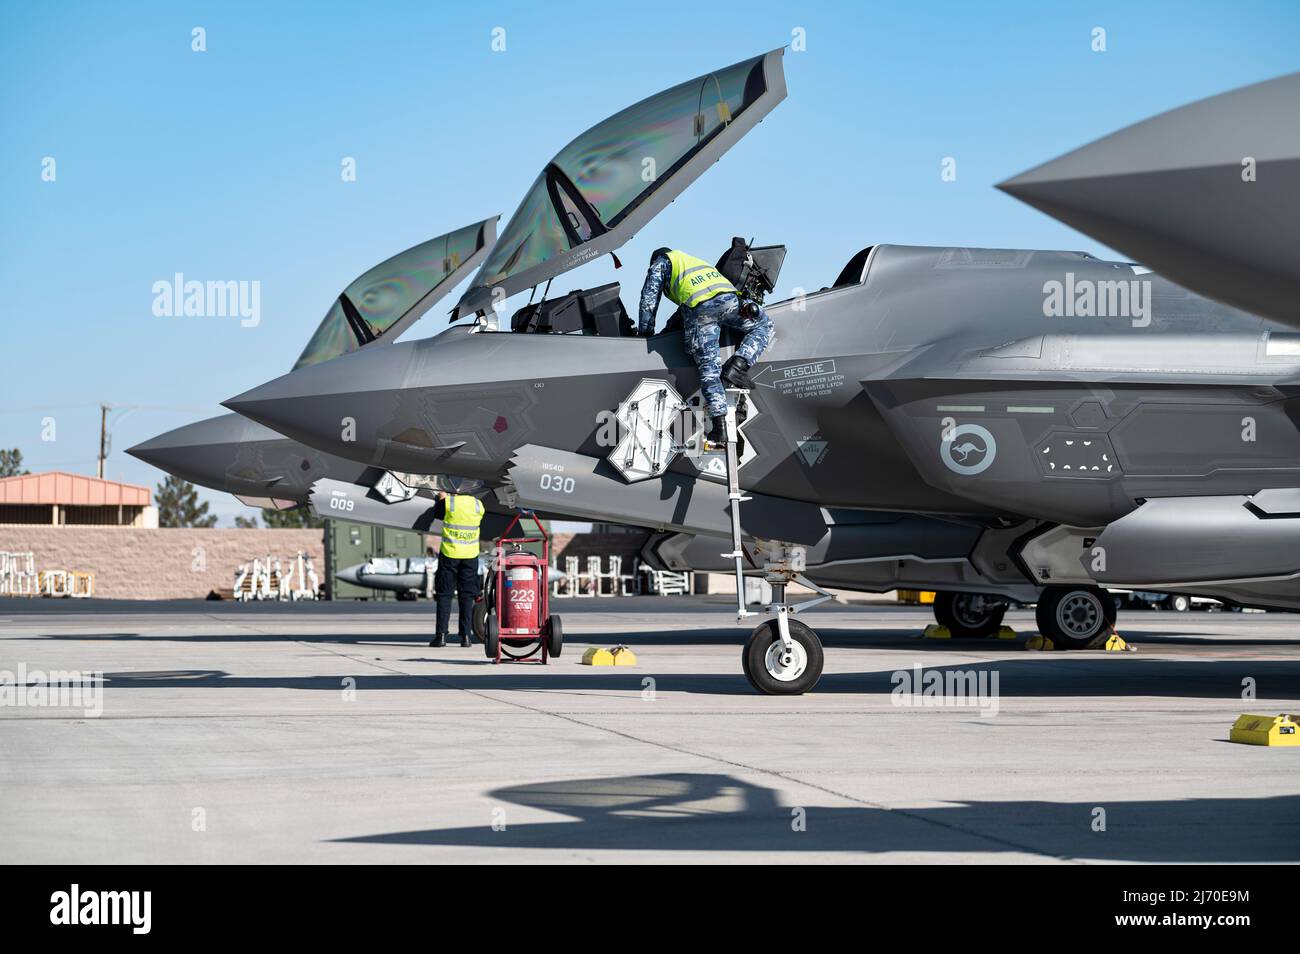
column 464, row 639
column 735, row 373
column 716, row 435
column 439, row 640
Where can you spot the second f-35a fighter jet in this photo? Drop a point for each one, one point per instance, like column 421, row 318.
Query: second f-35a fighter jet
column 263, row 468
column 1095, row 425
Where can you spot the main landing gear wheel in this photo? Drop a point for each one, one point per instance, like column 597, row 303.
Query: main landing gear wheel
column 1075, row 617
column 969, row 615
column 773, row 670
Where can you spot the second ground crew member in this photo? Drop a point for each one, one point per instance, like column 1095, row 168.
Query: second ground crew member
column 709, row 302
column 461, row 516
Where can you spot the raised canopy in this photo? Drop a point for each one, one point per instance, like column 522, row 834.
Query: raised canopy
column 390, row 297
column 615, row 177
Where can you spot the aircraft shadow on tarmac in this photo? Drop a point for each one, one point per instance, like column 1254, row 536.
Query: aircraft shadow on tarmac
column 1033, row 677
column 715, row 812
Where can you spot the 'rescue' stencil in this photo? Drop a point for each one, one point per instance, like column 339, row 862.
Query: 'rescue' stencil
column 804, row 380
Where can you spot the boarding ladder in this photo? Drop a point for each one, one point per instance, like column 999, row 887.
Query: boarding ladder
column 736, row 399
column 783, row 563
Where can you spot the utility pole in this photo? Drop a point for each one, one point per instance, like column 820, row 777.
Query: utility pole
column 103, row 440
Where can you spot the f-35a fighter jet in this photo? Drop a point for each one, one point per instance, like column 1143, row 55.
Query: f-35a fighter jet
column 263, row 468
column 1095, row 424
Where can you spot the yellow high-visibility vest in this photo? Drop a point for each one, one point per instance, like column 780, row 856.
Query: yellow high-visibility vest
column 460, row 527
column 693, row 280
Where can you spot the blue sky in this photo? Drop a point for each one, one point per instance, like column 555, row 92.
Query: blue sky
column 225, row 164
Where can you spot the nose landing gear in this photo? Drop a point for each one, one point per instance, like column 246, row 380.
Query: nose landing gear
column 783, row 656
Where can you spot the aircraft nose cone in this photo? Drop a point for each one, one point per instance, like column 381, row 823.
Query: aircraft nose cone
column 157, row 452
column 281, row 403
column 200, row 452
column 1204, row 194
column 335, row 406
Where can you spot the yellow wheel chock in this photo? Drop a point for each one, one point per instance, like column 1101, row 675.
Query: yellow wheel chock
column 1118, row 644
column 1266, row 730
column 618, row 656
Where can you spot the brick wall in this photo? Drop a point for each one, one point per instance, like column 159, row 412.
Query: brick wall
column 157, row 564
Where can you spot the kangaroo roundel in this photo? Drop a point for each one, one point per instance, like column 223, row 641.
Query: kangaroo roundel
column 968, row 449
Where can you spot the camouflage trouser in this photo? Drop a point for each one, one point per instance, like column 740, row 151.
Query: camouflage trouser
column 703, row 325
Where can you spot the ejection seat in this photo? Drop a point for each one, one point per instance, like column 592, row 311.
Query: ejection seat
column 589, row 311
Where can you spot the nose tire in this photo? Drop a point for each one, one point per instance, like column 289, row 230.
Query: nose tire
column 768, row 673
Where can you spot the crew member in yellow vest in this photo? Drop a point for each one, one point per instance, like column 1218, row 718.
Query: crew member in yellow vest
column 708, row 302
column 461, row 516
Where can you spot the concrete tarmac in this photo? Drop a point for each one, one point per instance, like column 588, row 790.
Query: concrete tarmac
column 331, row 732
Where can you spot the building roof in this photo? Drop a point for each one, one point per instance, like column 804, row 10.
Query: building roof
column 58, row 487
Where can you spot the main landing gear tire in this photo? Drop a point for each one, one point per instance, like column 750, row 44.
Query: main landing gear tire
column 1075, row 617
column 771, row 670
column 969, row 615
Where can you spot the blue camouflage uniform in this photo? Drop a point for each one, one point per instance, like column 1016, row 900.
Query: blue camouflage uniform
column 702, row 326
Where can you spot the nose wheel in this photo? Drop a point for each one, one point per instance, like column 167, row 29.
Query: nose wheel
column 780, row 670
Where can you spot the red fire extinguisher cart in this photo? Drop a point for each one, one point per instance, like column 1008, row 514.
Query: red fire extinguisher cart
column 519, row 625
